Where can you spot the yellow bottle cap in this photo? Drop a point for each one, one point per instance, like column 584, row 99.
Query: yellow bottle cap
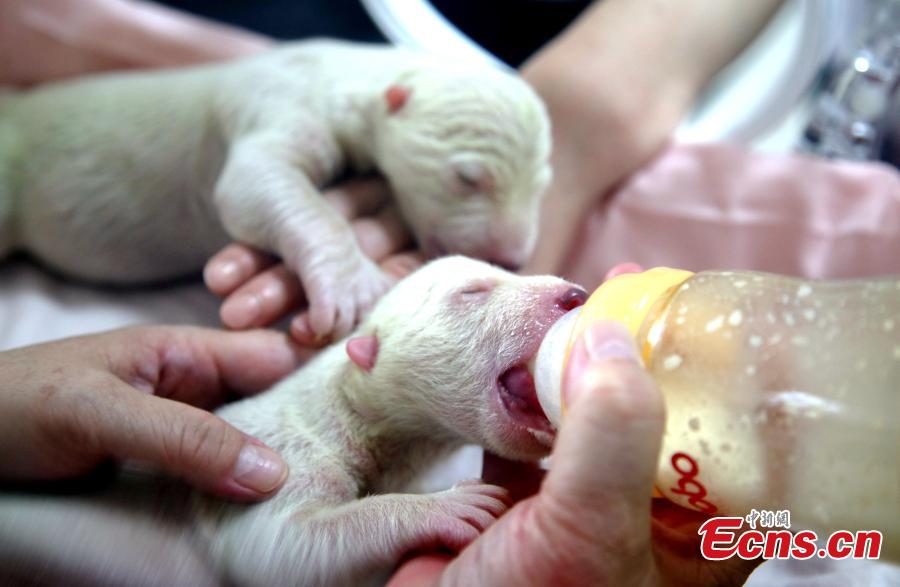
column 627, row 298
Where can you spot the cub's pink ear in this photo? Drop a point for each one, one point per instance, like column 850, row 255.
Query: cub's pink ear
column 363, row 350
column 396, row 97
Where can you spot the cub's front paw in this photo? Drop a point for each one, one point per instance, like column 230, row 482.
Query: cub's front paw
column 341, row 293
column 459, row 515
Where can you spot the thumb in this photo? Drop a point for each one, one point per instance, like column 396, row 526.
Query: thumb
column 189, row 443
column 606, row 454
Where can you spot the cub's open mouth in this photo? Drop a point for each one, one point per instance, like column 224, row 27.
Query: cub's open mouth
column 519, row 397
column 516, row 389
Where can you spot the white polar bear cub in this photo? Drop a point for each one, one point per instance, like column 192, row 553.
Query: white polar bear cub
column 138, row 177
column 442, row 360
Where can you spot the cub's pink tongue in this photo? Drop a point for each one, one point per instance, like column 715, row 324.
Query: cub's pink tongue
column 518, row 382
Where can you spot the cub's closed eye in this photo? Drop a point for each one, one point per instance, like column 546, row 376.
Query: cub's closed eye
column 481, row 286
column 474, row 178
column 467, row 179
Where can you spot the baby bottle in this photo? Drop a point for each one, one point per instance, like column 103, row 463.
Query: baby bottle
column 781, row 394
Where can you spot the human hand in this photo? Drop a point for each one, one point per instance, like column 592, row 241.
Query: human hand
column 140, row 394
column 591, row 522
column 258, row 290
column 43, row 40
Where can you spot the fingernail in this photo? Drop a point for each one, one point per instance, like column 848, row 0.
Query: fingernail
column 241, row 311
column 221, row 275
column 607, row 340
column 602, row 341
column 259, row 469
column 272, row 291
column 302, row 331
column 621, row 269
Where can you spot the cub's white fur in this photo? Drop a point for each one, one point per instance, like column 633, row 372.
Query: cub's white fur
column 137, row 177
column 353, row 438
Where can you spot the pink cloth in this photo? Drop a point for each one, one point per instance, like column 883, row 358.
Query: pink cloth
column 721, row 206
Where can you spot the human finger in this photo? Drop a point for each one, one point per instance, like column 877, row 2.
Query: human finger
column 607, row 448
column 358, row 197
column 382, row 234
column 263, row 299
column 233, row 266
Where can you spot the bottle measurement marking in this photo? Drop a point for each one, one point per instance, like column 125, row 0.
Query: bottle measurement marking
column 688, row 485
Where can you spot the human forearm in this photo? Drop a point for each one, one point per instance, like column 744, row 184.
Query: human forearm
column 663, row 46
column 616, row 83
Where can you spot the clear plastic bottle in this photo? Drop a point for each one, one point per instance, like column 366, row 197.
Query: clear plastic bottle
column 780, row 393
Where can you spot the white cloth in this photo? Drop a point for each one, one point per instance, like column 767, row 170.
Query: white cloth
column 37, row 307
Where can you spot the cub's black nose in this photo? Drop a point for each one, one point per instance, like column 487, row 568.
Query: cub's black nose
column 572, row 298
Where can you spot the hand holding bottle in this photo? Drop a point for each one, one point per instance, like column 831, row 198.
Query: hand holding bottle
column 780, row 393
